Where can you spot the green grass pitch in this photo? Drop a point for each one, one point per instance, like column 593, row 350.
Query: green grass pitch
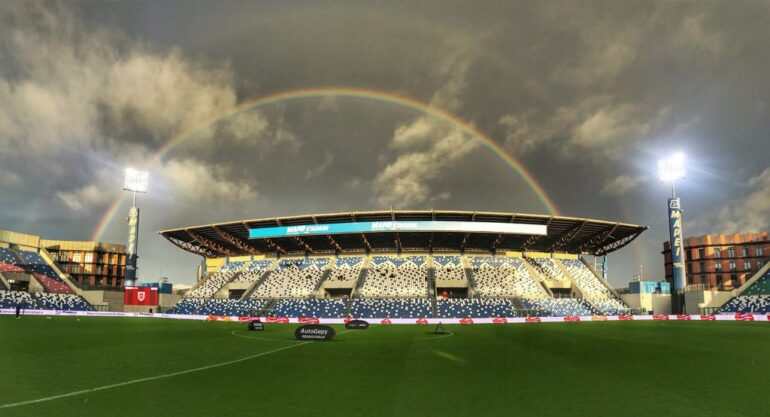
column 188, row 368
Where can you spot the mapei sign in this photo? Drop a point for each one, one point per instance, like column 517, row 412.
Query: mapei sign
column 676, row 241
column 316, row 332
column 397, row 226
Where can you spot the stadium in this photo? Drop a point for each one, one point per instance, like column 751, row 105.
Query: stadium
column 499, row 306
column 403, row 265
column 386, row 209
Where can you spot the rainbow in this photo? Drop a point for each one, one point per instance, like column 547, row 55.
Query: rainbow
column 351, row 92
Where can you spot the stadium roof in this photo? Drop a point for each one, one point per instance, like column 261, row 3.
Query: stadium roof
column 563, row 234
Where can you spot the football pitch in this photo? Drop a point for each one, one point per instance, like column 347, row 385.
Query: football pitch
column 154, row 367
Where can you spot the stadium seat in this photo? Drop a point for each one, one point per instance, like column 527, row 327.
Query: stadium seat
column 754, row 299
column 393, row 276
column 293, row 278
column 309, row 308
column 474, row 307
column 391, row 308
column 498, row 277
column 449, row 268
column 347, row 268
column 44, row 301
column 545, row 307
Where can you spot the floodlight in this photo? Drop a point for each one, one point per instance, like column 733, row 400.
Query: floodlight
column 136, row 181
column 671, row 168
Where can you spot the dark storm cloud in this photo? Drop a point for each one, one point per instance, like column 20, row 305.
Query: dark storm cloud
column 586, row 94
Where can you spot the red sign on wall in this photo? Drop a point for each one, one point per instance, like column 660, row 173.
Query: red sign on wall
column 141, row 296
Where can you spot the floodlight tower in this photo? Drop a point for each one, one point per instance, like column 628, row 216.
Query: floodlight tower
column 136, row 182
column 670, row 170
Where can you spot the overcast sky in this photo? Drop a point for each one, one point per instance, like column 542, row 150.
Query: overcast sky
column 586, row 95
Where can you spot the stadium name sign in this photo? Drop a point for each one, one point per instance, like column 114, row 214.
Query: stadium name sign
column 398, row 226
column 314, row 332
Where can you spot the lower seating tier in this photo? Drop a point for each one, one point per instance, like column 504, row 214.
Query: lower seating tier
column 43, row 301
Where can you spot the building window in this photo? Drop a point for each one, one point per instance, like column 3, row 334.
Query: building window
column 76, row 257
column 760, row 263
column 759, row 251
column 746, row 265
column 89, row 257
column 701, row 253
column 719, row 280
column 717, row 266
column 734, row 279
column 731, row 252
column 717, row 253
column 702, row 267
column 745, row 251
column 733, row 267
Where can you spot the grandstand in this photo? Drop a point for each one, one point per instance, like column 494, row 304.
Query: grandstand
column 31, row 282
column 492, row 264
column 753, row 297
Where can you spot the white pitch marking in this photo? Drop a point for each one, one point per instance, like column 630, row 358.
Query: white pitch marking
column 149, row 378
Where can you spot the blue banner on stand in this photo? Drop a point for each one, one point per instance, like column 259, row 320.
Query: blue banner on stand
column 398, row 226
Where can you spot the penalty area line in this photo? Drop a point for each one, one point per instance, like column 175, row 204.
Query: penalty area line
column 149, row 378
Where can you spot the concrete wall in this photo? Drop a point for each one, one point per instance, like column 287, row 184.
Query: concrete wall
column 695, row 301
column 109, row 300
column 653, row 303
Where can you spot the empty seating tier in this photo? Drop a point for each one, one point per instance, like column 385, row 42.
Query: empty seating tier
column 391, row 308
column 748, row 304
column 498, row 277
column 253, row 272
column 556, row 307
column 585, row 279
column 43, row 301
column 449, row 268
column 347, row 268
column 391, row 276
column 474, row 307
column 212, row 284
column 309, row 308
column 294, row 278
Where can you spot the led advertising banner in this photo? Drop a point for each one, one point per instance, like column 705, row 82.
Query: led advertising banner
column 398, row 226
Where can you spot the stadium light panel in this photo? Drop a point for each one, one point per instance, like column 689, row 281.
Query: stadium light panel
column 671, row 168
column 136, row 180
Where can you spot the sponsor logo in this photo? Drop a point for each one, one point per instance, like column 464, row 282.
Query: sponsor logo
column 385, row 321
column 660, row 316
column 708, row 317
column 422, row 321
column 256, row 325
column 277, row 319
column 466, row 320
column 533, row 320
column 246, row 319
column 209, row 318
column 316, row 332
column 500, row 320
column 744, row 317
column 140, row 296
column 625, row 317
column 356, row 324
column 683, row 317
column 572, row 318
column 309, row 320
column 599, row 318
